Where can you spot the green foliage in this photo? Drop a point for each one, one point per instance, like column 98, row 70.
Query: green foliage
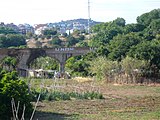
column 134, row 69
column 7, row 30
column 154, row 27
column 11, row 40
column 121, row 37
column 106, row 31
column 121, row 44
column 12, row 87
column 102, row 67
column 130, row 64
column 56, row 41
column 133, row 28
column 146, row 18
column 71, row 41
column 82, row 44
column 77, row 66
column 9, row 63
column 158, row 37
column 45, row 63
column 49, row 32
column 57, row 95
column 150, row 21
column 120, row 22
column 130, row 68
column 148, row 50
column 29, row 35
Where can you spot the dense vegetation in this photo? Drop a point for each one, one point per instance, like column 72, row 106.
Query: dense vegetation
column 58, row 95
column 115, row 41
column 13, row 88
column 10, row 38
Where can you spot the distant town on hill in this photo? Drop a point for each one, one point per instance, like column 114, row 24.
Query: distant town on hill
column 63, row 26
column 75, row 23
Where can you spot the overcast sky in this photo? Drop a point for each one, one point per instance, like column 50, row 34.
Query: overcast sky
column 45, row 11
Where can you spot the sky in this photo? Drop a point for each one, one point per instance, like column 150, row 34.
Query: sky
column 50, row 11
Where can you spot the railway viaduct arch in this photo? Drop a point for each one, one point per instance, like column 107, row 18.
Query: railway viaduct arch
column 27, row 55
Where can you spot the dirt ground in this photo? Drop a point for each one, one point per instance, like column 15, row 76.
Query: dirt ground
column 122, row 102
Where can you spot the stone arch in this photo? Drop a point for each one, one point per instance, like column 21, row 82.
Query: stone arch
column 25, row 56
column 35, row 53
column 42, row 62
column 61, row 58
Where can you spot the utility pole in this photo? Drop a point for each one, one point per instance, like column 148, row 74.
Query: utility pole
column 89, row 17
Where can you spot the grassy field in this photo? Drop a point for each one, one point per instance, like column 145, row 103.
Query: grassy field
column 122, row 102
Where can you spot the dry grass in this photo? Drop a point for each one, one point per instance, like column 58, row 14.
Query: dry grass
column 82, row 79
column 122, row 102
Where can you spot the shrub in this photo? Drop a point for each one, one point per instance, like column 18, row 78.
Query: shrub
column 103, row 68
column 57, row 95
column 12, row 87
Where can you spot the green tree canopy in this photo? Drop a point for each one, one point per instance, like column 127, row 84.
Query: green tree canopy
column 146, row 18
column 71, row 41
column 56, row 41
column 7, row 30
column 106, row 31
column 147, row 50
column 49, row 32
column 12, row 40
column 121, row 44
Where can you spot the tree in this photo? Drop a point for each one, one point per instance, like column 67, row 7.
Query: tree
column 82, row 44
column 120, row 22
column 154, row 27
column 121, row 44
column 147, row 50
column 56, row 41
column 146, row 18
column 77, row 66
column 133, row 28
column 7, row 30
column 12, row 40
column 71, row 41
column 105, row 32
column 49, row 32
column 9, row 63
column 2, row 40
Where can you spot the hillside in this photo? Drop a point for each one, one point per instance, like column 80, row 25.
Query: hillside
column 69, row 23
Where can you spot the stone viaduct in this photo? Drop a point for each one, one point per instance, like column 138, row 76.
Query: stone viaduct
column 26, row 55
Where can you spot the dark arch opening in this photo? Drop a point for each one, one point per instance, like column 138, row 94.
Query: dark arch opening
column 43, row 66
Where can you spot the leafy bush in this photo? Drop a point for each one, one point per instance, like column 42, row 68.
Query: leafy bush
column 103, row 68
column 12, row 87
column 129, row 70
column 79, row 68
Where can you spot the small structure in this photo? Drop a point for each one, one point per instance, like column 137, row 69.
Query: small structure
column 40, row 73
